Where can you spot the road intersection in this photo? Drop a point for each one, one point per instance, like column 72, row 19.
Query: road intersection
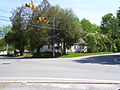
column 89, row 69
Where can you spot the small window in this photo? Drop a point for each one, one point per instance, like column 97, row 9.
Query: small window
column 48, row 46
column 74, row 46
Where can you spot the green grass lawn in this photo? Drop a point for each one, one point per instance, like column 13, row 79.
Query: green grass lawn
column 28, row 55
column 72, row 54
column 69, row 55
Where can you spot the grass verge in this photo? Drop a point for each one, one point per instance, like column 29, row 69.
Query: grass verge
column 28, row 55
column 71, row 54
column 68, row 55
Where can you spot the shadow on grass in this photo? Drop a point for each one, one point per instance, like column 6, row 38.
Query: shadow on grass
column 105, row 60
column 13, row 57
column 41, row 55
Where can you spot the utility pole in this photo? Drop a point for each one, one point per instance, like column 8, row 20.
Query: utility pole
column 7, row 49
column 53, row 37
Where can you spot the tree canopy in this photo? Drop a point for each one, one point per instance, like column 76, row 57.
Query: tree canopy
column 61, row 27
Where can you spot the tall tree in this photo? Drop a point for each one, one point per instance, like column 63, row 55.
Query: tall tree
column 5, row 29
column 72, row 28
column 17, row 35
column 109, row 25
column 97, row 42
column 67, row 27
column 2, row 44
column 118, row 21
column 38, row 33
column 118, row 16
column 88, row 27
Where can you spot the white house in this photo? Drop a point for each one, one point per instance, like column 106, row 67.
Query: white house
column 6, row 52
column 77, row 47
column 46, row 48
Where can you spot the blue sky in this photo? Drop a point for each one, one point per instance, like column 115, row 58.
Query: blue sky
column 92, row 10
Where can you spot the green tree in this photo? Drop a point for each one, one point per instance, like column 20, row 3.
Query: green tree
column 2, row 44
column 3, row 31
column 118, row 16
column 91, row 42
column 97, row 42
column 67, row 27
column 118, row 21
column 71, row 33
column 16, row 36
column 88, row 27
column 117, row 42
column 38, row 34
column 109, row 25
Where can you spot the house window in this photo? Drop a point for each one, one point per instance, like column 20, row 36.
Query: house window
column 75, row 46
column 48, row 46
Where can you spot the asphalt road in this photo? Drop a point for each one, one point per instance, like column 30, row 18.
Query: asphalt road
column 95, row 68
column 49, row 74
column 90, row 68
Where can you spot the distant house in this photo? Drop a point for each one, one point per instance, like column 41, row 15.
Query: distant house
column 6, row 52
column 46, row 48
column 25, row 52
column 77, row 47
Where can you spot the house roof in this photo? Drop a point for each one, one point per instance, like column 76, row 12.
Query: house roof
column 81, row 42
column 24, row 51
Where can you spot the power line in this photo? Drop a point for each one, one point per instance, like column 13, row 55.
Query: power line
column 3, row 16
column 5, row 20
column 4, row 11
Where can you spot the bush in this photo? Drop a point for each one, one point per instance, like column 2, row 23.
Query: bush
column 117, row 42
column 114, row 48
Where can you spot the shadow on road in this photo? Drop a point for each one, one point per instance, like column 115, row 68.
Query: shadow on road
column 3, row 57
column 108, row 59
column 6, row 57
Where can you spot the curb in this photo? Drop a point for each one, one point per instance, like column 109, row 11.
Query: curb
column 57, row 83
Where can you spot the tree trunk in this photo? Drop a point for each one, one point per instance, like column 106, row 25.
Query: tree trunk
column 21, row 46
column 64, row 48
column 22, row 51
column 38, row 52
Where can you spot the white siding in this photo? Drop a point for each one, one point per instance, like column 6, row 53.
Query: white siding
column 46, row 48
column 78, row 48
column 74, row 48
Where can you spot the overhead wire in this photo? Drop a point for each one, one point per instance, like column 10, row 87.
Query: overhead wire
column 3, row 16
column 4, row 20
column 4, row 11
